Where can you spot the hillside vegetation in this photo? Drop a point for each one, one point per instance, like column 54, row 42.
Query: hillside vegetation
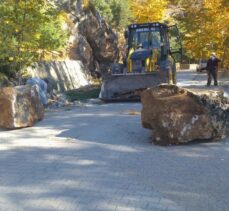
column 31, row 29
column 204, row 24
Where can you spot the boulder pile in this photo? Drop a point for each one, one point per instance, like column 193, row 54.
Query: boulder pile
column 20, row 107
column 178, row 115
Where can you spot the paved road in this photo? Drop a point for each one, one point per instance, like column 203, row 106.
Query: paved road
column 98, row 157
column 192, row 79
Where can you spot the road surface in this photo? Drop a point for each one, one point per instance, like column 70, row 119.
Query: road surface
column 98, row 157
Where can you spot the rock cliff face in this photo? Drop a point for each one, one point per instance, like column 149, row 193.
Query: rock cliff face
column 92, row 40
column 62, row 75
column 93, row 48
column 179, row 115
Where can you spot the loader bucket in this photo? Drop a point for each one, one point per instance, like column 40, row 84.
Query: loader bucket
column 129, row 86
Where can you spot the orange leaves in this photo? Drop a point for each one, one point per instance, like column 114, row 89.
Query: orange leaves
column 206, row 26
column 148, row 10
column 86, row 3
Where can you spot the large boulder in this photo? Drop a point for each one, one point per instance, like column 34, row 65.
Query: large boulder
column 179, row 115
column 20, row 107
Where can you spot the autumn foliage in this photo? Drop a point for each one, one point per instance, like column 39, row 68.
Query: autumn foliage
column 205, row 26
column 31, row 27
column 148, row 10
column 28, row 29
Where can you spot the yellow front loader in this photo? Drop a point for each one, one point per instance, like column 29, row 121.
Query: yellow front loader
column 151, row 53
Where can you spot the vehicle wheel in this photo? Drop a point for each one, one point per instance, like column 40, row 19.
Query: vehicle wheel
column 175, row 77
column 172, row 73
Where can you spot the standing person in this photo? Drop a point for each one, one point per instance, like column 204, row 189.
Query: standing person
column 212, row 68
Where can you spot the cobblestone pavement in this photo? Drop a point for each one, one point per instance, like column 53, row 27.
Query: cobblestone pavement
column 98, row 157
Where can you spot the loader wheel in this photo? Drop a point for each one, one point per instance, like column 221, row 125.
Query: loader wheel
column 174, row 71
column 175, row 77
column 172, row 74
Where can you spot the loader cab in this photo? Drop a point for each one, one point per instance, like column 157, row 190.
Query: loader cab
column 156, row 37
column 145, row 36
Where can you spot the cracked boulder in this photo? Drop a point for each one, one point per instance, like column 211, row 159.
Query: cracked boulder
column 20, row 107
column 179, row 115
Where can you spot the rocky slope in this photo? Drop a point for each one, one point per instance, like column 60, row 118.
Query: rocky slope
column 92, row 48
column 91, row 39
